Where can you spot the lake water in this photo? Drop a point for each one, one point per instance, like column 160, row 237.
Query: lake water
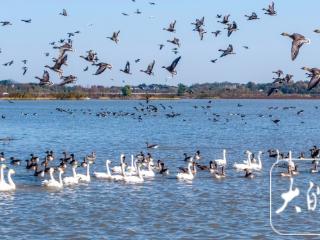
column 161, row 208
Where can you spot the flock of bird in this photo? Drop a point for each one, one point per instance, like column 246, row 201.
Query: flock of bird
column 153, row 109
column 64, row 46
column 142, row 166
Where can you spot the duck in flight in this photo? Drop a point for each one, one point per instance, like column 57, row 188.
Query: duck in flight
column 171, row 68
column 253, row 16
column 227, row 51
column 67, row 80
column 45, row 80
column 297, row 41
column 58, row 64
column 175, row 41
column 270, row 10
column 115, row 37
column 149, row 69
column 26, row 20
column 315, row 76
column 232, row 28
column 171, row 27
column 64, row 13
column 126, row 68
column 102, row 67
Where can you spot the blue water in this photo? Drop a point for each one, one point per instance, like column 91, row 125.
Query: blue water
column 162, row 208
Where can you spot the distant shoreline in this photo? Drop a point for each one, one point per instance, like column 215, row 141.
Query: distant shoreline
column 285, row 97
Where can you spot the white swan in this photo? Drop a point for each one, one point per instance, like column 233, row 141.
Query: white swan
column 133, row 168
column 85, row 177
column 10, row 186
column 73, row 179
column 257, row 166
column 2, row 166
column 243, row 166
column 148, row 173
column 117, row 169
column 104, row 175
column 133, row 179
column 186, row 176
column 52, row 183
column 223, row 161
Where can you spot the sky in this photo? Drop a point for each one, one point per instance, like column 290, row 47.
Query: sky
column 141, row 34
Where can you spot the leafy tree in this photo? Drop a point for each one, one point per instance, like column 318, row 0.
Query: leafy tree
column 181, row 89
column 126, row 91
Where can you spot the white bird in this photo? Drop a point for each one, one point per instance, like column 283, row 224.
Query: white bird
column 10, row 186
column 104, row 175
column 133, row 168
column 74, row 179
column 117, row 169
column 257, row 166
column 186, row 176
column 223, row 161
column 148, row 173
column 52, row 183
column 246, row 164
column 85, row 177
column 133, row 179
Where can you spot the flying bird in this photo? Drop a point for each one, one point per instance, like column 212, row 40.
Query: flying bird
column 253, row 16
column 270, row 10
column 216, row 33
column 314, row 73
column 171, row 27
column 5, row 23
column 115, row 37
column 64, row 13
column 227, row 51
column 45, row 80
column 26, row 20
column 175, row 41
column 232, row 28
column 149, row 68
column 24, row 68
column 58, row 64
column 171, row 68
column 225, row 19
column 126, row 68
column 297, row 41
column 67, row 80
column 102, row 67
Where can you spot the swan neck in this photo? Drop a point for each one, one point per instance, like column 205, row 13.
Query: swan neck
column 11, row 183
column 108, row 170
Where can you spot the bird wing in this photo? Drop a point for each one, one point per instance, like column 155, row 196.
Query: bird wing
column 100, row 69
column 127, row 68
column 271, row 90
column 150, row 66
column 314, row 81
column 174, row 63
column 46, row 76
column 296, row 44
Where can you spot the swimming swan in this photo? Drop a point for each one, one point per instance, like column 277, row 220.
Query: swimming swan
column 186, row 176
column 223, row 161
column 117, row 169
column 10, row 186
column 133, row 179
column 73, row 179
column 86, row 177
column 104, row 175
column 52, row 183
column 257, row 166
column 243, row 166
column 148, row 173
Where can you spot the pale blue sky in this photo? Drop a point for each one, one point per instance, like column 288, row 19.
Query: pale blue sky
column 140, row 36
